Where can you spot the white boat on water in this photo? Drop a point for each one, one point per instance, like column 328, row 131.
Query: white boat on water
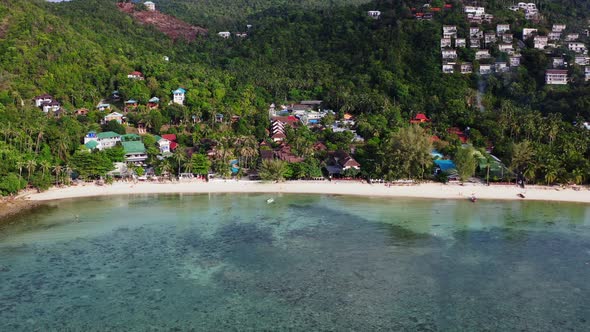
column 270, row 200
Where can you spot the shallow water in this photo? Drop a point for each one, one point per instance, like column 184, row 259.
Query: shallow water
column 305, row 263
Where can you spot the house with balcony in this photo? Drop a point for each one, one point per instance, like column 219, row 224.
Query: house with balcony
column 178, row 96
column 514, row 60
column 558, row 28
column 466, row 68
column 507, row 38
column 135, row 152
column 460, row 42
column 540, row 42
column 582, row 60
column 374, row 14
column 475, row 43
column 104, row 140
column 485, row 69
column 449, row 54
column 448, row 68
column 528, row 33
column 556, row 77
column 554, row 36
column 570, row 37
column 445, row 43
column 482, row 54
column 506, row 48
column 577, row 47
column 558, row 62
column 502, row 28
column 449, row 31
column 113, row 116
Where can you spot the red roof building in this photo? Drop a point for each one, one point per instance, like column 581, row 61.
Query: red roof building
column 420, row 118
column 456, row 131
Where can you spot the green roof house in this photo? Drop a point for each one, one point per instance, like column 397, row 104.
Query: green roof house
column 105, row 140
column 134, row 151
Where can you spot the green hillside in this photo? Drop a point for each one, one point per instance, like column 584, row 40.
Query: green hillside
column 383, row 72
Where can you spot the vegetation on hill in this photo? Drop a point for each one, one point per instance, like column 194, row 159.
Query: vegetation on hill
column 383, row 72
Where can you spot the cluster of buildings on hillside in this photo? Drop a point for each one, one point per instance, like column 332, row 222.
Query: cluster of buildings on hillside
column 557, row 43
column 427, row 12
column 227, row 34
column 482, row 43
column 307, row 113
column 135, row 150
column 530, row 10
column 498, row 51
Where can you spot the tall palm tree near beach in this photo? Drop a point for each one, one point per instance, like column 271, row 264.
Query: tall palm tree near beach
column 179, row 156
column 45, row 166
column 57, row 171
column 31, row 165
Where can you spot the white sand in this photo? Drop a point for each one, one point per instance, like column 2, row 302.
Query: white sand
column 426, row 190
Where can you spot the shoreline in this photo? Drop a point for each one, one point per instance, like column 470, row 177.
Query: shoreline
column 428, row 190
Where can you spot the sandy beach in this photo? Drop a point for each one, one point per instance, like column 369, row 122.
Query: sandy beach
column 425, row 190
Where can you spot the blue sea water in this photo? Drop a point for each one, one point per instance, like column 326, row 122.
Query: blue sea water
column 303, row 263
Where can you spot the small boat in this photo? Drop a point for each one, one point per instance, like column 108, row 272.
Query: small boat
column 270, row 200
column 473, row 199
column 521, row 195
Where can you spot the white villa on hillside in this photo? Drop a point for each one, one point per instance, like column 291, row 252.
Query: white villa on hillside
column 556, row 76
column 150, row 6
column 101, row 141
column 178, row 96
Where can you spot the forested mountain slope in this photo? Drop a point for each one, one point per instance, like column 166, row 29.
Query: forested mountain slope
column 231, row 14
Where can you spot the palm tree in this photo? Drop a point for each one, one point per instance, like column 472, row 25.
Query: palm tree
column 165, row 167
column 63, row 147
column 20, row 165
column 67, row 172
column 273, row 170
column 179, row 156
column 45, row 166
column 57, row 171
column 31, row 165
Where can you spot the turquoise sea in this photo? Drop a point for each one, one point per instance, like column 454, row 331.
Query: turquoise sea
column 303, row 263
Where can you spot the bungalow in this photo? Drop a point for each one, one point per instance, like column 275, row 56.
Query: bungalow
column 459, row 133
column 554, row 36
column 136, row 75
column 476, row 11
column 224, row 34
column 131, row 104
column 582, row 60
column 219, row 118
column 556, row 76
column 340, row 161
column 81, row 111
column 474, row 32
column 104, row 140
column 42, row 99
column 489, row 38
column 374, row 14
column 482, row 54
column 172, row 139
column 154, row 102
column 502, row 28
column 475, row 43
column 448, row 68
column 449, row 31
column 460, row 42
column 501, row 67
column 466, row 68
column 514, row 60
column 113, row 116
column 507, row 38
column 572, row 37
column 485, row 69
column 445, row 42
column 449, row 54
column 577, row 47
column 558, row 27
column 558, row 62
column 163, row 144
column 103, row 107
column 150, row 6
column 540, row 42
column 528, row 32
column 134, row 152
column 420, row 118
column 284, row 153
column 506, row 48
column 51, row 106
column 178, row 96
